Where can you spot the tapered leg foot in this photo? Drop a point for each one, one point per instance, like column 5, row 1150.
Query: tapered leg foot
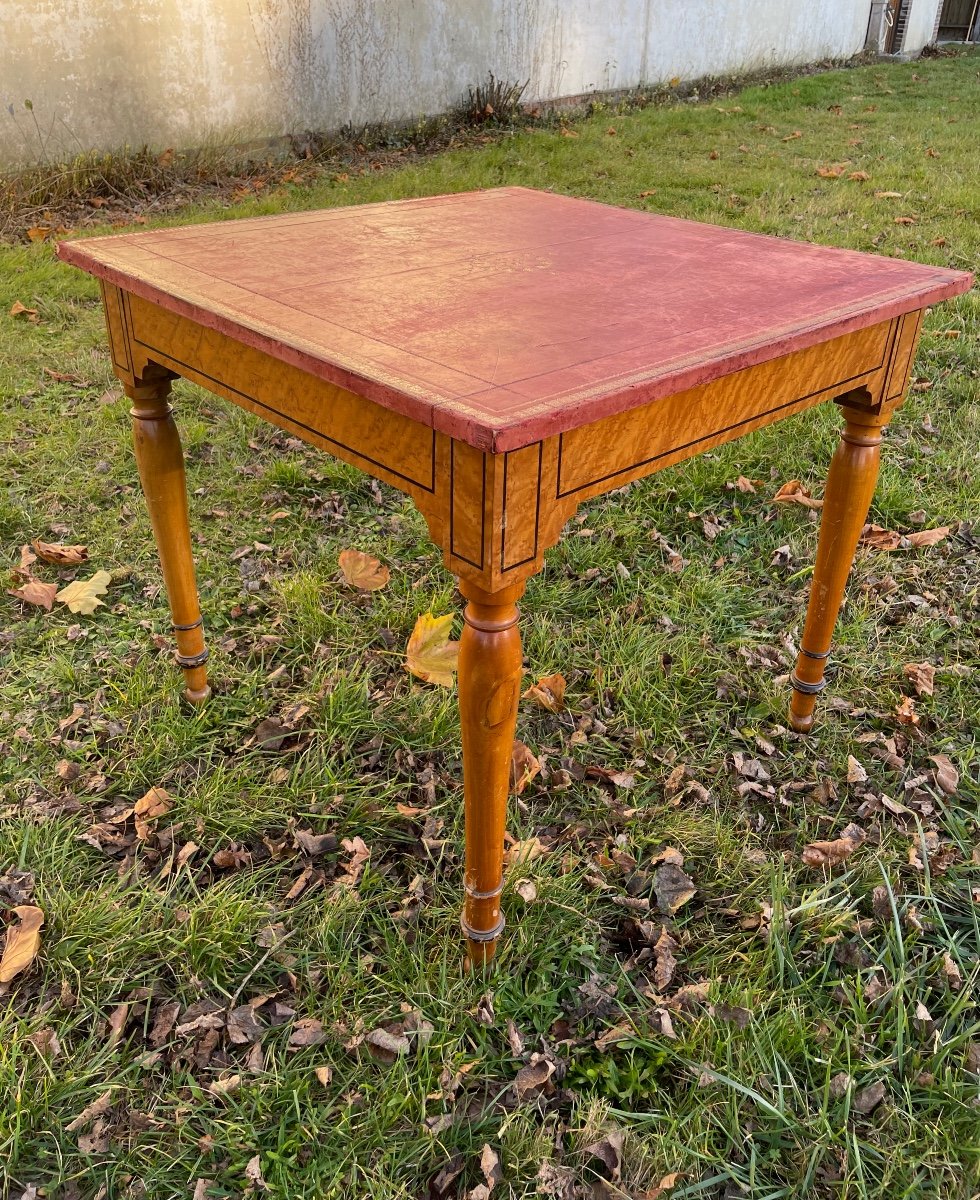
column 161, row 467
column 489, row 690
column 850, row 486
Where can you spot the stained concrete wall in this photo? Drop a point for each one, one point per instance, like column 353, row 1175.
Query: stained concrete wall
column 104, row 73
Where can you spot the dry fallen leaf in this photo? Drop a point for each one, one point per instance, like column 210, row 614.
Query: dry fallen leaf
column 859, row 176
column 61, row 556
column 156, row 803
column 673, row 887
column 880, row 538
column 23, row 941
column 793, row 492
column 430, row 654
column 869, row 1098
column 947, row 776
column 830, row 854
column 549, row 692
column 36, row 592
column 21, row 310
column 362, row 571
column 923, row 676
column 525, row 852
column 855, row 771
column 905, row 712
column 523, row 768
column 928, row 537
column 82, row 596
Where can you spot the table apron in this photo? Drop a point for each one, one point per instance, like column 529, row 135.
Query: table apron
column 594, row 458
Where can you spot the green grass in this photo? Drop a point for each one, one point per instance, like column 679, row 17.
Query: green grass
column 663, row 669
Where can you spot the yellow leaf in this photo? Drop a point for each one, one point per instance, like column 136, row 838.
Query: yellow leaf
column 549, row 692
column 430, row 654
column 37, row 233
column 23, row 942
column 362, row 571
column 82, row 596
column 62, row 556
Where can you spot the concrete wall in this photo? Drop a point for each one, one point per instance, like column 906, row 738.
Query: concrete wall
column 104, row 73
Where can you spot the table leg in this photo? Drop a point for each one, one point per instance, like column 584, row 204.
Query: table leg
column 161, row 467
column 847, row 498
column 489, row 689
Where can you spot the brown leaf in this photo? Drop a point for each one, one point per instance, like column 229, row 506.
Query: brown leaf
column 533, row 1076
column 947, row 776
column 868, row 1099
column 314, row 844
column 880, row 538
column 855, row 772
column 666, row 964
column 833, row 172
column 430, row 654
column 156, row 803
column 666, row 1184
column 524, row 766
column 830, row 854
column 527, row 890
column 791, row 137
column 21, row 310
column 928, row 537
column 526, row 851
column 904, row 220
column 490, row 1166
column 746, row 485
column 82, row 596
column 793, row 492
column 888, row 195
column 307, row 1032
column 62, row 556
column 90, row 1112
column 905, row 712
column 609, row 1150
column 362, row 571
column 386, row 1046
column 23, row 941
column 923, row 676
column 36, row 592
column 548, row 692
column 673, row 887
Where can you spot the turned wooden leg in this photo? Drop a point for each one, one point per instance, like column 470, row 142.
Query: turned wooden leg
column 489, row 690
column 161, row 467
column 850, row 486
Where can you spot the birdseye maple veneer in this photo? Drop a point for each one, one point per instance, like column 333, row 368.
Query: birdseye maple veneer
column 501, row 356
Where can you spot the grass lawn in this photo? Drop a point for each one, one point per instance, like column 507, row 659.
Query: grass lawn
column 203, row 1016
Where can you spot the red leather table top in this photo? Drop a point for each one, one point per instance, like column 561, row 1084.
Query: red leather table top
column 501, row 317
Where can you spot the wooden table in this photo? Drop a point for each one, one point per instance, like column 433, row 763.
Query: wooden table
column 501, row 357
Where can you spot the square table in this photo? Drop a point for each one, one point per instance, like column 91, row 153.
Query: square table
column 502, row 356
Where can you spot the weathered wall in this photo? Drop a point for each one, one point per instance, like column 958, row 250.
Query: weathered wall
column 103, row 73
